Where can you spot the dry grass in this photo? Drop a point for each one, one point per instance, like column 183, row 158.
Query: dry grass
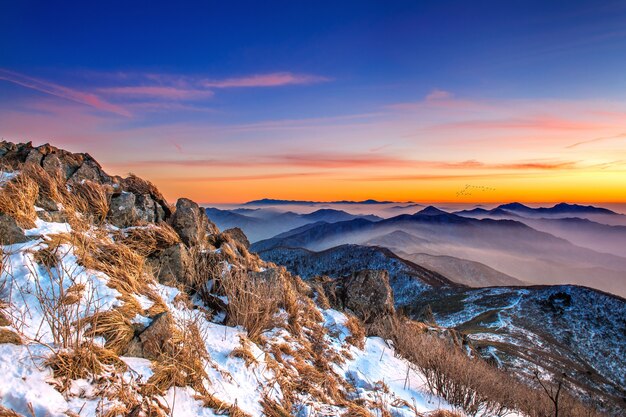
column 146, row 240
column 116, row 328
column 253, row 301
column 244, row 352
column 123, row 265
column 444, row 413
column 354, row 410
column 92, row 199
column 181, row 362
column 83, row 361
column 7, row 412
column 272, row 408
column 9, row 336
column 357, row 332
column 17, row 199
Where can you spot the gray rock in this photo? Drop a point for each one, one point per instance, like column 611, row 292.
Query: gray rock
column 173, row 265
column 55, row 216
column 122, row 212
column 34, row 157
column 10, row 232
column 191, row 223
column 238, row 236
column 145, row 207
column 154, row 340
column 89, row 170
column 368, row 294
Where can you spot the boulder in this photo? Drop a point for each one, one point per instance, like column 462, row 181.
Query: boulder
column 191, row 223
column 89, row 170
column 368, row 295
column 10, row 232
column 238, row 236
column 122, row 212
column 154, row 340
column 145, row 208
column 172, row 265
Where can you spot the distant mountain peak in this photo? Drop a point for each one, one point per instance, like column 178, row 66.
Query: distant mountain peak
column 278, row 202
column 514, row 206
column 431, row 211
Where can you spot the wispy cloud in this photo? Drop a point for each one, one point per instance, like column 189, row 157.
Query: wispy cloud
column 67, row 93
column 275, row 79
column 438, row 95
column 161, row 92
column 254, row 177
column 594, row 140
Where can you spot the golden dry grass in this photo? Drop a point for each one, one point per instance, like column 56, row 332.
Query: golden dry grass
column 146, row 240
column 93, row 199
column 7, row 412
column 82, row 361
column 244, row 352
column 181, row 362
column 357, row 332
column 17, row 199
column 252, row 301
column 114, row 326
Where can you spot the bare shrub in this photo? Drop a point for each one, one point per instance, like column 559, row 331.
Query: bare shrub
column 181, row 361
column 253, row 299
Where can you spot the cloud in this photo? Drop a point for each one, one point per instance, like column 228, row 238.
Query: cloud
column 275, row 79
column 528, row 123
column 329, row 160
column 600, row 139
column 77, row 96
column 158, row 92
column 247, row 177
column 437, row 94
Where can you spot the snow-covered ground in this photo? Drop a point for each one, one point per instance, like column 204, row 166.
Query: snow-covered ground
column 27, row 385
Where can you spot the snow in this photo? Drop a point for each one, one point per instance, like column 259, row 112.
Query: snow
column 182, row 403
column 47, row 228
column 24, row 383
column 375, row 371
column 32, row 286
column 7, row 176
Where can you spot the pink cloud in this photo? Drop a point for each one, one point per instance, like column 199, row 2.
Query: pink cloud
column 531, row 123
column 275, row 79
column 162, row 92
column 57, row 90
column 437, row 94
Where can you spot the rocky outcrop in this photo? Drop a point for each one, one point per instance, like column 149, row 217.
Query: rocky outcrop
column 238, row 236
column 10, row 232
column 133, row 201
column 172, row 265
column 366, row 293
column 153, row 341
column 191, row 223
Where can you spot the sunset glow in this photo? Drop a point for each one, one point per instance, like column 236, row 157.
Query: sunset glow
column 473, row 133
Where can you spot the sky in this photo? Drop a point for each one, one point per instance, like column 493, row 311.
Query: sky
column 430, row 101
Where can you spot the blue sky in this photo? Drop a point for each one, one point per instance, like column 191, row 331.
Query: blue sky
column 78, row 71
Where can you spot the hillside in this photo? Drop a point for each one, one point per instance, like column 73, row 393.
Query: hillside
column 115, row 303
column 561, row 329
column 507, row 246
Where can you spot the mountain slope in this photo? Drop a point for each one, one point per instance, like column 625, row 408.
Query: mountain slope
column 261, row 223
column 406, row 278
column 575, row 330
column 508, row 246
